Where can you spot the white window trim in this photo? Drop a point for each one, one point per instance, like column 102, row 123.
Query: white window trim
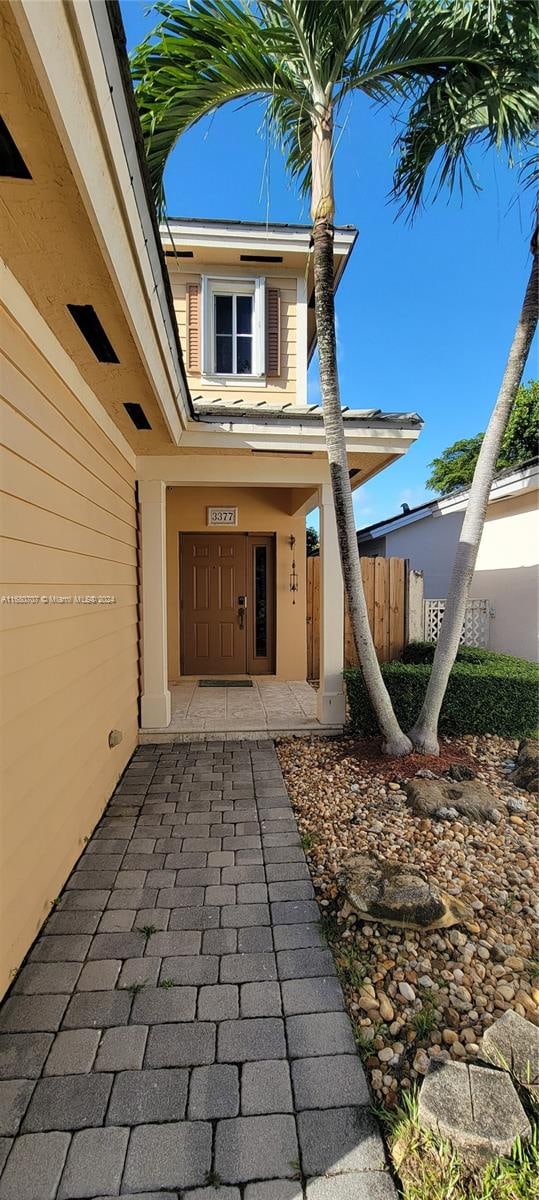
column 233, row 284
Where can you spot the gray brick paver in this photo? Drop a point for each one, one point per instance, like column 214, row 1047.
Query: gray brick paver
column 251, row 1038
column 329, row 1082
column 176, row 1155
column 22, row 1054
column 312, row 995
column 72, row 1052
column 14, row 1097
column 156, row 1006
column 68, row 1102
column 256, row 1148
column 337, row 1140
column 260, row 1000
column 248, row 1027
column 34, row 1167
column 32, row 1013
column 180, row 1045
column 265, row 1088
column 97, row 1010
column 275, row 1189
column 214, row 1092
column 140, row 1097
column 94, row 1163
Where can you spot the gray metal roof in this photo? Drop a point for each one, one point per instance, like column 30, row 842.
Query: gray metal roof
column 223, row 222
column 298, row 414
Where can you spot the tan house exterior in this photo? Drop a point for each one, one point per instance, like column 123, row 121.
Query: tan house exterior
column 139, row 493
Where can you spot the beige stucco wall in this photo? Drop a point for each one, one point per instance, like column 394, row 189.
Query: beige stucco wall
column 507, row 574
column 260, row 510
column 69, row 671
column 282, row 387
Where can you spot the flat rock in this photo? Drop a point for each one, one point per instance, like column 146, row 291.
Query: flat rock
column 526, row 772
column 476, row 1108
column 513, row 1043
column 396, row 894
column 469, row 797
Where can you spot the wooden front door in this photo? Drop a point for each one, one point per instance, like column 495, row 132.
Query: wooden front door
column 214, row 619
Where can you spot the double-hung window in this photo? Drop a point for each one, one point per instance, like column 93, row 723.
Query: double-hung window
column 234, row 327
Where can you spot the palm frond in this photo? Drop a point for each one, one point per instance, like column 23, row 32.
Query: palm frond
column 467, row 106
column 198, row 59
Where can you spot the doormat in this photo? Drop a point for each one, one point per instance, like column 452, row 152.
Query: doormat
column 225, row 683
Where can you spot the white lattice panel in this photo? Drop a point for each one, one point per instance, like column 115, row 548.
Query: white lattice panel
column 475, row 630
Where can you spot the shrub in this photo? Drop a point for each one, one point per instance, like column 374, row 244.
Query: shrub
column 486, row 693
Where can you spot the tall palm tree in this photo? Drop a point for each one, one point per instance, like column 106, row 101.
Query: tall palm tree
column 304, row 58
column 453, row 113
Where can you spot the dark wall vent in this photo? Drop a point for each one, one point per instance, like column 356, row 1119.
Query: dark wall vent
column 12, row 164
column 138, row 416
column 261, row 258
column 87, row 320
column 178, row 253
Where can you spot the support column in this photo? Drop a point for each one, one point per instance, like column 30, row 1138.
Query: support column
column 155, row 702
column 331, row 699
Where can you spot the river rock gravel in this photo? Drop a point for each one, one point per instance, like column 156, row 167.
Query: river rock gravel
column 416, row 995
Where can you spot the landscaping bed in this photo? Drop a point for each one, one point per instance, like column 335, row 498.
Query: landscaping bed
column 417, row 995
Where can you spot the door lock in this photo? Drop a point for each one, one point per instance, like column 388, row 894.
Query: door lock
column 242, row 605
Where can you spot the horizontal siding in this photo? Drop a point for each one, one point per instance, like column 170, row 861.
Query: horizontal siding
column 285, row 383
column 68, row 671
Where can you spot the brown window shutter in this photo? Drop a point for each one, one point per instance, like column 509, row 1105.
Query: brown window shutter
column 193, row 328
column 273, row 331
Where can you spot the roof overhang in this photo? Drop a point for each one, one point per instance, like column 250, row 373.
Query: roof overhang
column 297, row 429
column 81, row 230
column 508, row 484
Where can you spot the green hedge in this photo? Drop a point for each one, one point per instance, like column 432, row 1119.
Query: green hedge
column 486, row 693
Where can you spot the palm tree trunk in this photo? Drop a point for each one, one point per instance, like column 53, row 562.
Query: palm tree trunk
column 425, row 731
column 395, row 741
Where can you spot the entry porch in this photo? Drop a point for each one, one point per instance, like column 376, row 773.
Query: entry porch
column 223, row 568
column 202, row 590
column 267, row 707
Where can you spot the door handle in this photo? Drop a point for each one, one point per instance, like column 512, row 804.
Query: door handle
column 242, row 605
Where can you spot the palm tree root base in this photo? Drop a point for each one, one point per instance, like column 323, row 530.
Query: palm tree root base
column 424, row 740
column 397, row 747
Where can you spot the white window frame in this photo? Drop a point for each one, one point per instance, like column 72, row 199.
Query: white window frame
column 229, row 285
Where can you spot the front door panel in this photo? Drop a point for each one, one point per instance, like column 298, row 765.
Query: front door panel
column 213, row 577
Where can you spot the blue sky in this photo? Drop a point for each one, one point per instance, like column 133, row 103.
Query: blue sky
column 425, row 313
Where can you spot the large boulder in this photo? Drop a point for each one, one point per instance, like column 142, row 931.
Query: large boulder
column 526, row 772
column 513, row 1043
column 474, row 1108
column 442, row 797
column 396, row 894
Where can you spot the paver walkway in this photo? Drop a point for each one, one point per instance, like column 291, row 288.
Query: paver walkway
column 178, row 1028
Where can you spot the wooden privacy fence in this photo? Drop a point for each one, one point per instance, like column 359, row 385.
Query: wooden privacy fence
column 384, row 581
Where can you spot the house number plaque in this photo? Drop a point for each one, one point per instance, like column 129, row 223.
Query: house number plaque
column 222, row 516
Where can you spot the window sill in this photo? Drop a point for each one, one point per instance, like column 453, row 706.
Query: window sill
column 234, row 381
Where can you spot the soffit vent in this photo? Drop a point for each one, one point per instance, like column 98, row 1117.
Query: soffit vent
column 12, row 164
column 87, row 320
column 261, row 258
column 178, row 253
column 138, row 416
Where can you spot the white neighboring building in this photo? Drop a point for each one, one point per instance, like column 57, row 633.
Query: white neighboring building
column 506, row 572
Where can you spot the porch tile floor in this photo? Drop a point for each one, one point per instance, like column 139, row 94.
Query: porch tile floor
column 270, row 707
column 178, row 1029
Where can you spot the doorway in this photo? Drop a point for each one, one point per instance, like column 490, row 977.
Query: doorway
column 227, row 604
